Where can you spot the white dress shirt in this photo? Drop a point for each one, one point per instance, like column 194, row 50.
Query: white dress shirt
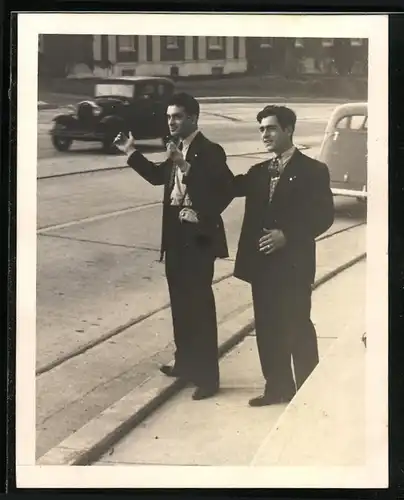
column 178, row 191
column 284, row 158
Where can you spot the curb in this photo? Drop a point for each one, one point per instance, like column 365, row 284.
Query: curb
column 242, row 99
column 278, row 439
column 92, row 440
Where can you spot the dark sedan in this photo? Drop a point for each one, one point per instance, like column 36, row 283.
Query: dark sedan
column 120, row 104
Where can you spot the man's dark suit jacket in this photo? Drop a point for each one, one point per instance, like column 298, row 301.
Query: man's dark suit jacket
column 302, row 207
column 209, row 186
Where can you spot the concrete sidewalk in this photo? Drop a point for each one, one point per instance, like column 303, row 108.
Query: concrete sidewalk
column 224, row 430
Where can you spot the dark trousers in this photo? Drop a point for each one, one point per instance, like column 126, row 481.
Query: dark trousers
column 285, row 333
column 189, row 272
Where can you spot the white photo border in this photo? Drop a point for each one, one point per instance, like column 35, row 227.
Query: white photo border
column 373, row 27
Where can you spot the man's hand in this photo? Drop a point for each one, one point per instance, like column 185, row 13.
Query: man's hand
column 124, row 143
column 271, row 241
column 174, row 154
column 188, row 215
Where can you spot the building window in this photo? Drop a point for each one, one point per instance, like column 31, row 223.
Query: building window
column 172, row 48
column 126, row 43
column 172, row 42
column 127, row 48
column 327, row 42
column 266, row 42
column 356, row 42
column 299, row 43
column 215, row 42
column 128, row 72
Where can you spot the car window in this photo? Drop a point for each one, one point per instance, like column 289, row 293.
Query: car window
column 353, row 122
column 105, row 89
column 358, row 122
column 342, row 123
column 164, row 90
column 146, row 91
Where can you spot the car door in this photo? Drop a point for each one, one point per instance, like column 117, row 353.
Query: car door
column 345, row 152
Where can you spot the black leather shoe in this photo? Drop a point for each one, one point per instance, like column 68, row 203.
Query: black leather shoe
column 269, row 399
column 204, row 393
column 170, row 371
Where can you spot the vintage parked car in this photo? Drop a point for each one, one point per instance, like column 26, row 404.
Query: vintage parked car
column 344, row 150
column 120, row 104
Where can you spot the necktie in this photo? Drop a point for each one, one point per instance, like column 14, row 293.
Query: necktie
column 274, row 170
column 274, row 166
column 174, row 168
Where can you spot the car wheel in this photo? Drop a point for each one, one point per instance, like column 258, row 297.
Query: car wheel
column 108, row 146
column 108, row 142
column 61, row 143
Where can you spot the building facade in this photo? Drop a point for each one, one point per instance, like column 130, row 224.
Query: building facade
column 183, row 56
column 294, row 56
column 168, row 55
column 128, row 55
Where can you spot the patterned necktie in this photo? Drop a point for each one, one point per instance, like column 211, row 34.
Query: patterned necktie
column 274, row 166
column 174, row 168
column 274, row 170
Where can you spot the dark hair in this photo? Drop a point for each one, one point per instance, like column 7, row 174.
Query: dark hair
column 286, row 117
column 186, row 101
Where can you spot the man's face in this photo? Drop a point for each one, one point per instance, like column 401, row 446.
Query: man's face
column 179, row 123
column 274, row 137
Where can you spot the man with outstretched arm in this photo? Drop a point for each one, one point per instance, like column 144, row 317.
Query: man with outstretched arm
column 288, row 204
column 197, row 188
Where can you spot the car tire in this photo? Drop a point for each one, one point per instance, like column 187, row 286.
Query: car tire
column 108, row 142
column 61, row 143
column 108, row 146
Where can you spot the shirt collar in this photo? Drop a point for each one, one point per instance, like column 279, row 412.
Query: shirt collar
column 187, row 141
column 285, row 156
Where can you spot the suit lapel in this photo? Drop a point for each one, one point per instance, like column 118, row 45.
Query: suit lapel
column 170, row 176
column 194, row 147
column 261, row 186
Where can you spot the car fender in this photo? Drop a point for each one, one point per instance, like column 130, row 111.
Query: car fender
column 114, row 123
column 112, row 120
column 64, row 119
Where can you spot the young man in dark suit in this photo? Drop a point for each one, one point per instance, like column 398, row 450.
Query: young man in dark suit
column 288, row 204
column 197, row 188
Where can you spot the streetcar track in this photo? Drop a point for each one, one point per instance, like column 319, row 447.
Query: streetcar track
column 81, row 172
column 94, row 218
column 107, row 243
column 253, row 154
column 47, row 367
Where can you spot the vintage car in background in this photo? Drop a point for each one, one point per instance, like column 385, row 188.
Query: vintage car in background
column 344, row 150
column 120, row 104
